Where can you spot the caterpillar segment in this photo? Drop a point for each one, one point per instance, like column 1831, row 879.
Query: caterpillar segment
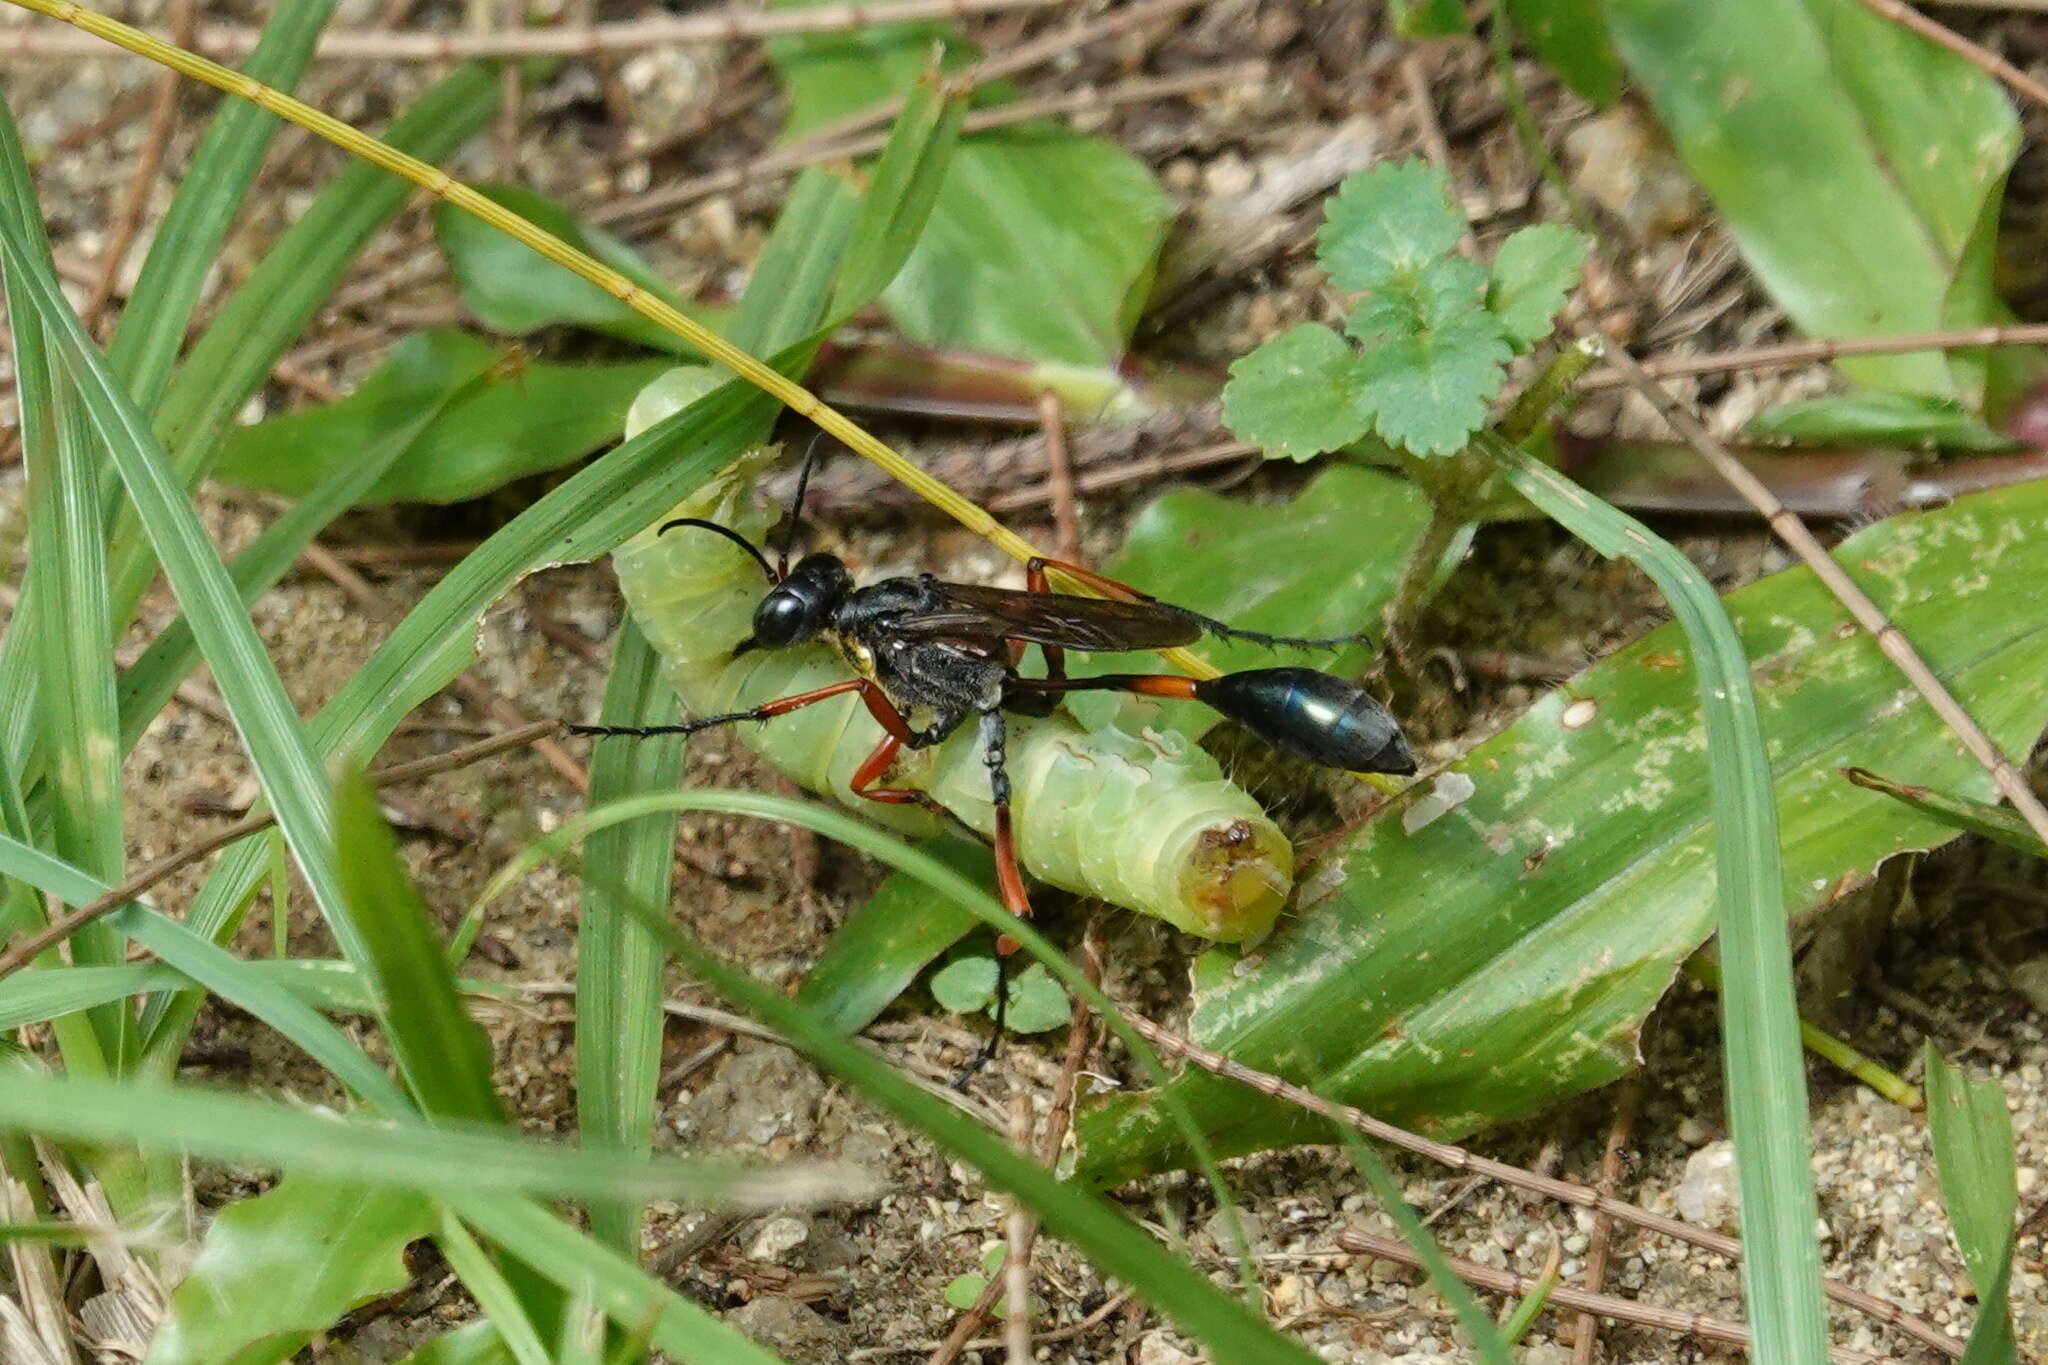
column 1135, row 817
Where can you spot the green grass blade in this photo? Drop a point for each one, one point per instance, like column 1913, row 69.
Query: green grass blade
column 242, row 985
column 187, row 243
column 632, row 1298
column 491, row 1290
column 289, row 771
column 444, row 1054
column 1492, row 1348
column 1976, row 1163
column 1766, row 1070
column 75, row 671
column 192, row 957
column 1979, row 817
column 1235, row 1332
column 413, row 1156
column 146, row 687
column 328, row 984
column 272, row 307
column 901, row 191
column 619, row 1017
column 51, row 672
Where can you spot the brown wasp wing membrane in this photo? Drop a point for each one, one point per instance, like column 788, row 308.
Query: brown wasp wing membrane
column 1087, row 624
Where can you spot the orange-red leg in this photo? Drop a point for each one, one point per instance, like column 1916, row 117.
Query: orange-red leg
column 1035, row 580
column 1168, row 685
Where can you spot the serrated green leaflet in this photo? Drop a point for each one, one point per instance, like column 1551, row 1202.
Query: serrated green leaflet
column 1383, row 226
column 1292, row 396
column 1534, row 271
column 1502, row 956
column 1430, row 391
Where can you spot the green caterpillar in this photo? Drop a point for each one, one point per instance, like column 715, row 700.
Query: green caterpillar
column 1141, row 819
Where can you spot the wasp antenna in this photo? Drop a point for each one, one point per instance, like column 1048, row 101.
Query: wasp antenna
column 796, row 506
column 735, row 537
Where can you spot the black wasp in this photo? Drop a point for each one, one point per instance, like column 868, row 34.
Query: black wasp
column 950, row 651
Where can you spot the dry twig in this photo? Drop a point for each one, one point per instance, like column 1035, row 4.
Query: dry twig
column 226, row 42
column 1820, row 350
column 1890, row 639
column 13, row 959
column 1550, row 1187
column 1564, row 1296
column 1983, row 58
column 1627, row 1097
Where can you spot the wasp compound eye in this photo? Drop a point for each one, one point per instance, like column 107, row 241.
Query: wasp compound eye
column 784, row 618
column 1312, row 715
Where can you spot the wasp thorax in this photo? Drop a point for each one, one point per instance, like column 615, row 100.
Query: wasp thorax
column 801, row 605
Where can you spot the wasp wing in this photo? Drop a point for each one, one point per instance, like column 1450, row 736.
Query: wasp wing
column 1088, row 624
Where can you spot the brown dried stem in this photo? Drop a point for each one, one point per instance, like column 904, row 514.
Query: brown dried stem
column 1084, row 100
column 128, row 218
column 1983, row 58
column 226, row 42
column 1628, row 1095
column 18, row 956
column 1819, row 350
column 1059, row 1115
column 1066, row 536
column 1890, row 640
column 1564, row 1296
column 499, row 708
column 1550, row 1187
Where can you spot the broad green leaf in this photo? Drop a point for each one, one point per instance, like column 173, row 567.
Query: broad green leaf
column 1429, row 392
column 1851, row 159
column 1293, row 395
column 285, row 1265
column 1036, row 1002
column 1975, row 1161
column 966, row 984
column 1852, row 418
column 1428, row 18
column 887, row 940
column 1502, row 956
column 444, row 1053
column 512, row 291
column 491, row 419
column 1534, row 271
column 1571, row 37
column 1041, row 241
column 1325, row 564
column 1383, row 226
